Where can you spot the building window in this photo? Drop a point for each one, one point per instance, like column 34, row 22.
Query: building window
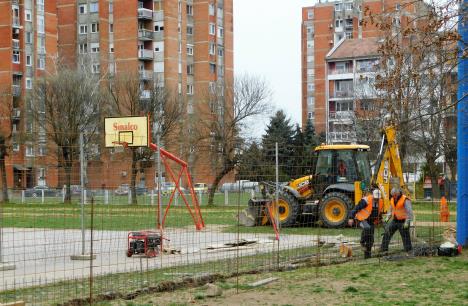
column 189, row 10
column 28, row 37
column 189, row 49
column 349, row 35
column 189, row 89
column 310, row 58
column 16, row 147
column 95, row 68
column 40, row 24
column 338, row 6
column 16, row 56
column 310, row 14
column 220, row 51
column 111, row 48
column 311, row 102
column 40, row 6
column 94, row 7
column 111, row 28
column 41, row 63
column 94, row 27
column 310, row 44
column 28, row 83
column 212, row 68
column 190, row 69
column 211, row 9
column 189, row 30
column 348, row 6
column 220, row 32
column 339, row 23
column 83, row 28
column 28, row 60
column 158, row 28
column 221, row 70
column 94, row 47
column 212, row 48
column 29, row 150
column 212, row 28
column 83, row 48
column 310, row 87
column 82, row 9
column 27, row 15
column 111, row 7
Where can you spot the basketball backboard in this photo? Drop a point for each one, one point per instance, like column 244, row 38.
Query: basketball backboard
column 130, row 130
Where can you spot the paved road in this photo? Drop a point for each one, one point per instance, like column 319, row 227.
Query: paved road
column 42, row 256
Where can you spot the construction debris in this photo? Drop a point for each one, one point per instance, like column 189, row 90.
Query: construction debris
column 212, row 290
column 263, row 282
column 227, row 245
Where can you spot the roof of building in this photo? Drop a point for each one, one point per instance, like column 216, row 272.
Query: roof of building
column 355, row 48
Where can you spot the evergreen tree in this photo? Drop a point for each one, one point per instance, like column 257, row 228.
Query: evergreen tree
column 280, row 131
column 298, row 152
column 253, row 166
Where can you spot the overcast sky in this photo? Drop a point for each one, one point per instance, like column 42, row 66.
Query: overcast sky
column 267, row 42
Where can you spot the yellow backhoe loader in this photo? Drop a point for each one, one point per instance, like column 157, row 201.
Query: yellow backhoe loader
column 341, row 175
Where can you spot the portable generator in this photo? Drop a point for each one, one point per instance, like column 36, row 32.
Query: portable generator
column 144, row 242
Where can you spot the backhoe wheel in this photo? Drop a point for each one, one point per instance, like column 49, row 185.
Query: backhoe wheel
column 334, row 209
column 288, row 209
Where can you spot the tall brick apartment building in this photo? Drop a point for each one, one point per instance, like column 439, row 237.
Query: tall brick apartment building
column 186, row 45
column 328, row 98
column 28, row 33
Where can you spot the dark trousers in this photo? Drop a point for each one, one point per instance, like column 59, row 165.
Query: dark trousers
column 367, row 238
column 390, row 229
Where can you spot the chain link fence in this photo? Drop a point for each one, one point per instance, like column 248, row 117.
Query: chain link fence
column 103, row 243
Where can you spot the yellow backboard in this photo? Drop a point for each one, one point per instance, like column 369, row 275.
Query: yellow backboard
column 132, row 130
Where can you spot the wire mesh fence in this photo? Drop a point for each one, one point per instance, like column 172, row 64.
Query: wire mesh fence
column 274, row 211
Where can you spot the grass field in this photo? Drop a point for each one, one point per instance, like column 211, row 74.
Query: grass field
column 131, row 217
column 418, row 281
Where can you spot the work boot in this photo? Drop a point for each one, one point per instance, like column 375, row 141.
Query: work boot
column 367, row 255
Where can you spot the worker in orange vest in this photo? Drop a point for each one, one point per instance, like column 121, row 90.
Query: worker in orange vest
column 400, row 216
column 444, row 210
column 367, row 212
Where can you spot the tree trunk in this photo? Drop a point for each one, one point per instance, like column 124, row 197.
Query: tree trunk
column 215, row 184
column 134, row 172
column 434, row 175
column 5, row 198
column 68, row 169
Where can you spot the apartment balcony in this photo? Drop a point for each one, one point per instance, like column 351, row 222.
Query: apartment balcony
column 16, row 114
column 16, row 90
column 340, row 74
column 342, row 94
column 145, row 95
column 158, row 16
column 16, row 44
column 144, row 34
column 145, row 54
column 340, row 71
column 342, row 116
column 16, row 22
column 145, row 14
column 342, row 137
column 146, row 75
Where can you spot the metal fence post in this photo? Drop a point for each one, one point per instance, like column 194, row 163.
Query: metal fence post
column 129, row 197
column 106, row 196
column 85, row 196
column 226, row 197
column 23, row 197
column 42, row 196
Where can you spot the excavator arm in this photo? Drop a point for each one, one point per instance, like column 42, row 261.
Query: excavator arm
column 388, row 165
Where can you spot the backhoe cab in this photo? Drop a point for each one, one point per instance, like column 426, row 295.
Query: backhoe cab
column 340, row 176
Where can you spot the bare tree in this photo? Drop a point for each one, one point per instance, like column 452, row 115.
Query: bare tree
column 129, row 97
column 225, row 121
column 64, row 104
column 6, row 111
column 418, row 56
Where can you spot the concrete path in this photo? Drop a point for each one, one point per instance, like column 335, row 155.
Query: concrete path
column 42, row 256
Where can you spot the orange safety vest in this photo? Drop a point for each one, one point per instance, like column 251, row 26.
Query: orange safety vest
column 398, row 210
column 364, row 213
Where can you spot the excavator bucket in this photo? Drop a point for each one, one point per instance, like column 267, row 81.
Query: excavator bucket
column 254, row 214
